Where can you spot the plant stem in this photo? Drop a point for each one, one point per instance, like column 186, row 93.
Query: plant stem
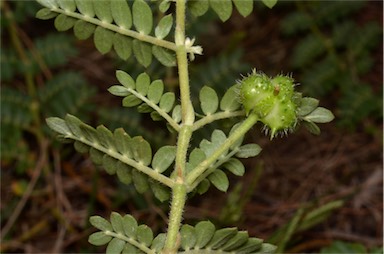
column 172, row 242
column 179, row 190
column 204, row 165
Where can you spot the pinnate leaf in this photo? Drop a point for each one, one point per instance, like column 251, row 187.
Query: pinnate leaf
column 198, row 7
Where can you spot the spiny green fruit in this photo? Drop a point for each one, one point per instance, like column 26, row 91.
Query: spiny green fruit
column 271, row 99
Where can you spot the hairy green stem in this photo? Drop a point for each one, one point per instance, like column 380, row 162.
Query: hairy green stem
column 172, row 242
column 245, row 126
column 216, row 116
column 179, row 191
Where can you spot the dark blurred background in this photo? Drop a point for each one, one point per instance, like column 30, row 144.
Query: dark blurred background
column 305, row 193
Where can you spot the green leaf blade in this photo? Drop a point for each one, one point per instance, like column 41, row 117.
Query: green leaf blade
column 209, row 100
column 100, row 223
column 142, row 17
column 320, row 115
column 99, row 239
column 142, row 52
column 245, row 7
column 219, row 179
column 164, row 27
column 223, row 8
column 103, row 39
column 163, row 158
column 121, row 13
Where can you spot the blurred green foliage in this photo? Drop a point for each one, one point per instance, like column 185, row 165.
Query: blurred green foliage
column 334, row 54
